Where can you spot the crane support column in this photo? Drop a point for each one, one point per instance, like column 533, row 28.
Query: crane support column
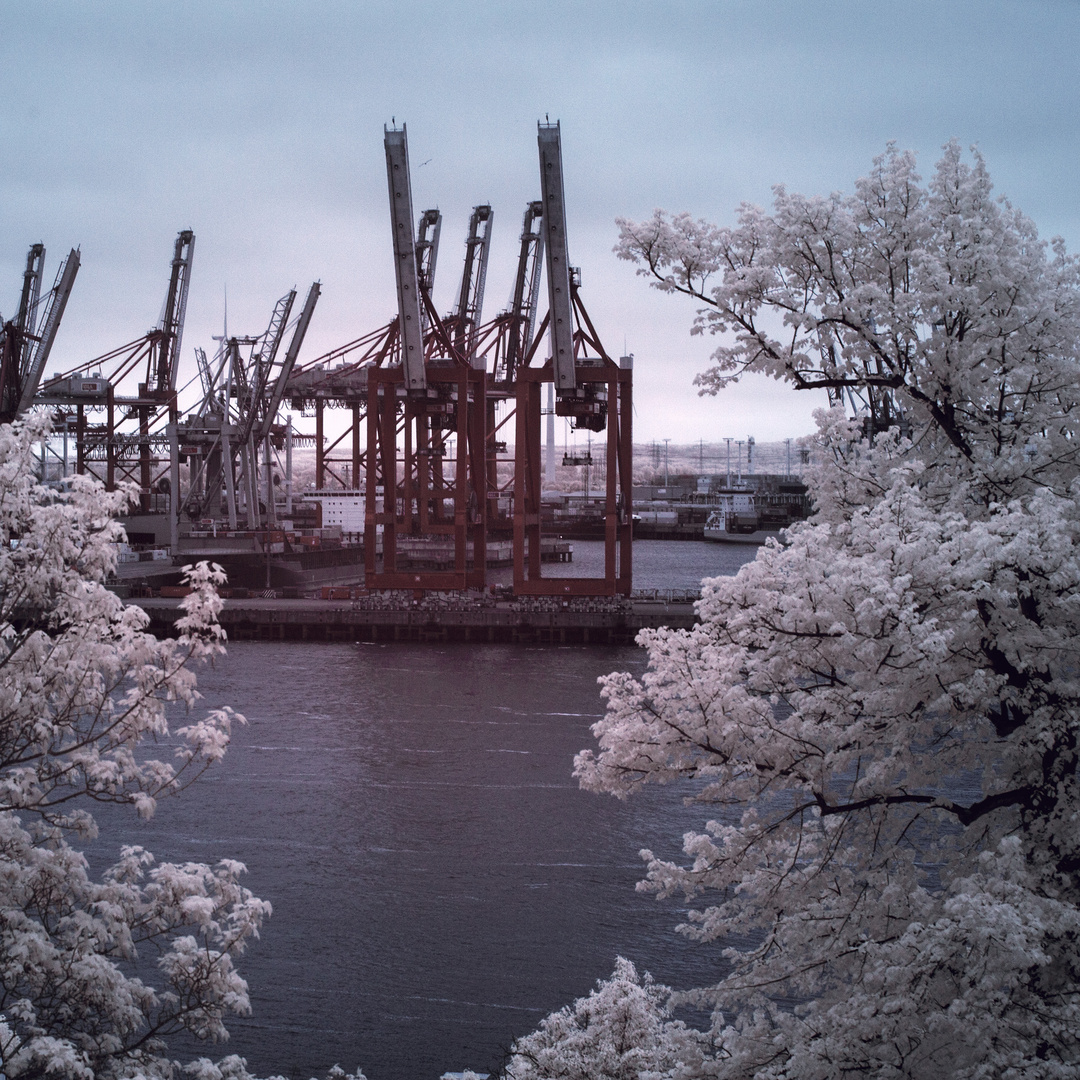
column 396, row 144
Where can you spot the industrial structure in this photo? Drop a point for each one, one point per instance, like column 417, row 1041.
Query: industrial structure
column 27, row 340
column 429, row 400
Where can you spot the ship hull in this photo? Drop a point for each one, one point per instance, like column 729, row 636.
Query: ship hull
column 758, row 536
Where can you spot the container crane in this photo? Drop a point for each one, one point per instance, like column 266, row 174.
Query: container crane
column 434, row 478
column 220, row 435
column 590, row 388
column 416, row 491
column 132, row 443
column 585, row 404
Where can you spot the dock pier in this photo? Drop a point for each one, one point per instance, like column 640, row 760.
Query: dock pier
column 581, row 621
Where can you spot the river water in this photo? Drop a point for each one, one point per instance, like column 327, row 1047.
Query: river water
column 439, row 882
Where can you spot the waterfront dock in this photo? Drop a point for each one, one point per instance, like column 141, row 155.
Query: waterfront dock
column 379, row 618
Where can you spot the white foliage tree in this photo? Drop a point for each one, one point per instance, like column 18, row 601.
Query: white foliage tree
column 621, row 1031
column 882, row 713
column 94, row 975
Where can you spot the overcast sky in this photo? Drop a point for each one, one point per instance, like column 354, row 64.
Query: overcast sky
column 259, row 125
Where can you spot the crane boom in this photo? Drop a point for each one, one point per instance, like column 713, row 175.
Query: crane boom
column 28, row 301
column 427, row 247
column 17, row 336
column 561, row 321
column 470, row 301
column 427, row 255
column 206, row 378
column 251, row 399
column 526, row 288
column 54, row 311
column 278, row 390
column 411, row 324
column 161, row 378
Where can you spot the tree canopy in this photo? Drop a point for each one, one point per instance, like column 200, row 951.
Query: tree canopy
column 881, row 713
column 95, row 974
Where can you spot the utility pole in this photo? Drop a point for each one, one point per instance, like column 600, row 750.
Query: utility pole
column 739, row 442
column 728, row 483
column 666, row 441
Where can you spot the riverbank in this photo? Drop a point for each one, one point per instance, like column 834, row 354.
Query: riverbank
column 579, row 621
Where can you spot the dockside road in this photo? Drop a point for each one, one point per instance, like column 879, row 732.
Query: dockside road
column 581, row 621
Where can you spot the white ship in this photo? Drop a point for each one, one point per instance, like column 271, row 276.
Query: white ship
column 738, row 521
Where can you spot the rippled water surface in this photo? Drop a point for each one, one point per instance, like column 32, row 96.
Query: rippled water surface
column 658, row 564
column 439, row 882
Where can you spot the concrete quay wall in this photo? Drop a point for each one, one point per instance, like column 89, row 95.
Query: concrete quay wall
column 328, row 620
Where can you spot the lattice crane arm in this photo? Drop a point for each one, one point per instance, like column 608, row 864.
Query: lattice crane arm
column 278, row 389
column 252, row 401
column 17, row 336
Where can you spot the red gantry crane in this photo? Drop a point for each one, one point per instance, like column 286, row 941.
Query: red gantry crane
column 428, row 505
column 436, row 394
column 591, row 390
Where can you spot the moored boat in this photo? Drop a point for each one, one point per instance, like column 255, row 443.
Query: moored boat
column 731, row 529
column 739, row 520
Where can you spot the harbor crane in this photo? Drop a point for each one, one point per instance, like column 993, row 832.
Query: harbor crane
column 26, row 340
column 235, row 424
column 127, row 440
column 591, row 389
column 414, row 489
column 436, row 396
